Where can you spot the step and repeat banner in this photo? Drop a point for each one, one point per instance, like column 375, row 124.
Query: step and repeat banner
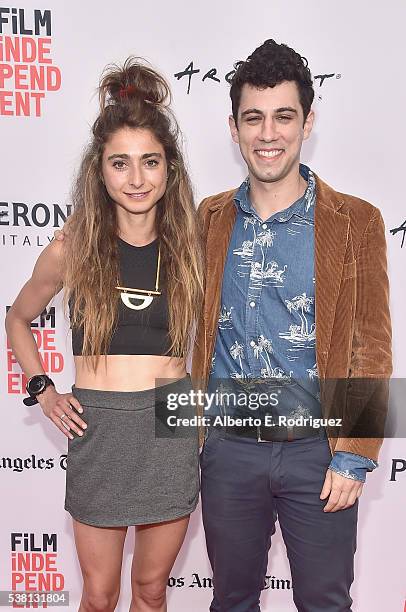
column 51, row 56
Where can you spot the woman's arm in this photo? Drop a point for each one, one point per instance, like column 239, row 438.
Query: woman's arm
column 38, row 291
column 44, row 284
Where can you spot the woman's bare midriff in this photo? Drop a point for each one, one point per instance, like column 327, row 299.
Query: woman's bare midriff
column 128, row 372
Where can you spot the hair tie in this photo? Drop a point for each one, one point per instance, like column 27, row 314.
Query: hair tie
column 124, row 91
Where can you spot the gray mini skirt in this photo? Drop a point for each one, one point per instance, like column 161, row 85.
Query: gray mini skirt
column 130, row 467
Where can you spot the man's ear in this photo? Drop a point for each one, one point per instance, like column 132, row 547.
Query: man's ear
column 233, row 129
column 308, row 125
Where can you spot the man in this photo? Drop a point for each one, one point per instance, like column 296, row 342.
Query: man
column 296, row 297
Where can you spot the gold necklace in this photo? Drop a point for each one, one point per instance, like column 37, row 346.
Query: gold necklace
column 145, row 296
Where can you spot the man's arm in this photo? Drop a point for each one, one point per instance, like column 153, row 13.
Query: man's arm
column 371, row 355
column 370, row 369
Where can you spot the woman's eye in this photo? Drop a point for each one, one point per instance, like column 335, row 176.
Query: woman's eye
column 119, row 164
column 152, row 163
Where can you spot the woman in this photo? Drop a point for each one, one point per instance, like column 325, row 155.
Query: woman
column 132, row 273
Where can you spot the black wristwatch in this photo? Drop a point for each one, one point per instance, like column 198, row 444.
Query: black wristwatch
column 35, row 386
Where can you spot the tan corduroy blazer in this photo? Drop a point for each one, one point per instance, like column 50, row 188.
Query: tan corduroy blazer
column 353, row 330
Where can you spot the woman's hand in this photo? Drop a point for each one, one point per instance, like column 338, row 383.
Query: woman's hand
column 62, row 409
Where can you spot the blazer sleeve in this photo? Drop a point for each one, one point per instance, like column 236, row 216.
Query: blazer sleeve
column 372, row 342
column 371, row 353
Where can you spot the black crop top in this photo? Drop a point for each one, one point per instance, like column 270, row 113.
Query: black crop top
column 142, row 327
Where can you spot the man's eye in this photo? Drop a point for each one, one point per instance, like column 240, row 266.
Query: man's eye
column 253, row 119
column 284, row 118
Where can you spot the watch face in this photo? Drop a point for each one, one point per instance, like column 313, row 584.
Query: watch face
column 36, row 385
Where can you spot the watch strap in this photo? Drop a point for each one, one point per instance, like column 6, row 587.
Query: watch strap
column 32, row 398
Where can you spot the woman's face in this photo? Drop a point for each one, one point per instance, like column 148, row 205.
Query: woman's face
column 134, row 169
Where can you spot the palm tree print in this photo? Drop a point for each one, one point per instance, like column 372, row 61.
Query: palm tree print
column 301, row 304
column 312, row 372
column 265, row 239
column 247, row 248
column 237, row 352
column 310, row 194
column 225, row 318
column 264, row 345
column 251, row 221
column 300, row 411
column 263, row 349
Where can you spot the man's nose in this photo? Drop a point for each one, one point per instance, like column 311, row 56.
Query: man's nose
column 269, row 130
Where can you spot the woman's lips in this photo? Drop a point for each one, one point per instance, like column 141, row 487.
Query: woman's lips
column 138, row 196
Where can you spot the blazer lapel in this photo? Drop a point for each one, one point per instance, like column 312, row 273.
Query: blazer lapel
column 331, row 236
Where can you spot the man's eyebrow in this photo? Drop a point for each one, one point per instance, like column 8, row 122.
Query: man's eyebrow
column 256, row 111
column 286, row 109
column 250, row 111
column 126, row 156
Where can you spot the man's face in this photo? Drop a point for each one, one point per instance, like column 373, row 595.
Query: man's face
column 270, row 130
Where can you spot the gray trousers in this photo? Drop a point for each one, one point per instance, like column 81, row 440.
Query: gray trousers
column 247, row 486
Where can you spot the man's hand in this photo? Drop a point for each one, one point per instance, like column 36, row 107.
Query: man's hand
column 63, row 232
column 59, row 234
column 341, row 491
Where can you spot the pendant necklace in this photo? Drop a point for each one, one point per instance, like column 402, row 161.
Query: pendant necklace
column 143, row 297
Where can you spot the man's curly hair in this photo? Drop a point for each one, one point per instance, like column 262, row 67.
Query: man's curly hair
column 269, row 65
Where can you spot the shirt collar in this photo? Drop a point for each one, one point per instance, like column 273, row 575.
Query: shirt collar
column 303, row 207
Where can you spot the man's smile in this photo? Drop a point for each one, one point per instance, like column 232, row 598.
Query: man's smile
column 269, row 153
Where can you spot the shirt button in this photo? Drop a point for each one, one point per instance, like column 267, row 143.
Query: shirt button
column 264, row 226
column 252, row 343
column 252, row 304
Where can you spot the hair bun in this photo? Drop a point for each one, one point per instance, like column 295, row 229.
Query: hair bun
column 134, row 80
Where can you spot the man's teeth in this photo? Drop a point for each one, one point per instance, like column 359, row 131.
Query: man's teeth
column 270, row 153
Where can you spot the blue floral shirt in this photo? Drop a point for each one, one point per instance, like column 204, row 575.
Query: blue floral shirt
column 266, row 329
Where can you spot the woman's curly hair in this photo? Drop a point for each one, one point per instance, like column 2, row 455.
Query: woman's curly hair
column 137, row 97
column 269, row 65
